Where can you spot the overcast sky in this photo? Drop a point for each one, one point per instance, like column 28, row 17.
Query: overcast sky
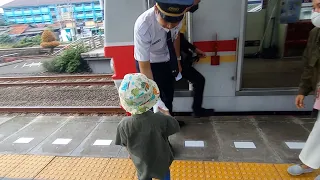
column 2, row 2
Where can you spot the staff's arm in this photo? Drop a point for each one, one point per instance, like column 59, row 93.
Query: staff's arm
column 142, row 44
column 145, row 68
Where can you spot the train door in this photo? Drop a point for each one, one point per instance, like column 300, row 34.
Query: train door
column 275, row 33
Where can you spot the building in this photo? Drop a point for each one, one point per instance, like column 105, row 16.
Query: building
column 49, row 11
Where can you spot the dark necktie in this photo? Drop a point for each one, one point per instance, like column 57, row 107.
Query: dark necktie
column 173, row 56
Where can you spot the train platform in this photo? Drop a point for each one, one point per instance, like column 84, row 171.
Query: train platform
column 82, row 147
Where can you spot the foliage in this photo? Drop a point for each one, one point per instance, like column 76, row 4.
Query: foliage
column 48, row 39
column 28, row 42
column 2, row 23
column 69, row 62
column 5, row 39
column 22, row 45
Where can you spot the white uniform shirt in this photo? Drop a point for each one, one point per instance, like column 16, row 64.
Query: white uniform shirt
column 150, row 38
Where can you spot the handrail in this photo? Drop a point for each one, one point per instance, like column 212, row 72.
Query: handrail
column 92, row 42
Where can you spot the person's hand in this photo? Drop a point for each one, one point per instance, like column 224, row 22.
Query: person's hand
column 200, row 53
column 299, row 101
column 166, row 112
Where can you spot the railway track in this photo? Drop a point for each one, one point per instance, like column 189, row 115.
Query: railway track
column 67, row 80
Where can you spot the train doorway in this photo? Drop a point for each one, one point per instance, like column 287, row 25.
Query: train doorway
column 273, row 44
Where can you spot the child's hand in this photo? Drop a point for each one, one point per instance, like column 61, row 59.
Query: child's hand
column 166, row 112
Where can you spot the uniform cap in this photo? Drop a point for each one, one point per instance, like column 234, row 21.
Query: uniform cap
column 172, row 13
column 181, row 2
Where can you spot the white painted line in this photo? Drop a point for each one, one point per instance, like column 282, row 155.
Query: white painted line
column 102, row 142
column 16, row 66
column 23, row 140
column 245, row 145
column 194, row 143
column 62, row 141
column 295, row 145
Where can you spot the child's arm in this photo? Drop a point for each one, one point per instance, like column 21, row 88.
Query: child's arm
column 120, row 137
column 172, row 126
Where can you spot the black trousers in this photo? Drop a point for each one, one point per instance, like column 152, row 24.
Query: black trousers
column 198, row 82
column 162, row 75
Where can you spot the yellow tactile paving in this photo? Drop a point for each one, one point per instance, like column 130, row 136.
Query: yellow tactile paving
column 257, row 171
column 222, row 171
column 282, row 169
column 88, row 168
column 119, row 169
column 30, row 167
column 59, row 168
column 187, row 170
column 72, row 168
column 9, row 162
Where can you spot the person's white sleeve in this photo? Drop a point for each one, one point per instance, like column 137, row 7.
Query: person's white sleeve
column 142, row 43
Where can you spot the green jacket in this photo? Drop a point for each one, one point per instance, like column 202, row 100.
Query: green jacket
column 311, row 70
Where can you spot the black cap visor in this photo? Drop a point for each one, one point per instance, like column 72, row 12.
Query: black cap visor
column 171, row 19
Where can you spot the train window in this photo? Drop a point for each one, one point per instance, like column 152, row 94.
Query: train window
column 255, row 5
column 273, row 49
column 306, row 10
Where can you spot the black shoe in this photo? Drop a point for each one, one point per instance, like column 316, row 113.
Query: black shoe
column 203, row 113
column 181, row 123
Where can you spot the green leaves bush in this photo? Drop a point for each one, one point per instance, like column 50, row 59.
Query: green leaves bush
column 5, row 39
column 69, row 62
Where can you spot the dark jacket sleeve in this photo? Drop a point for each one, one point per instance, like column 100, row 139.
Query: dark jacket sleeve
column 306, row 81
column 172, row 126
column 185, row 45
column 120, row 136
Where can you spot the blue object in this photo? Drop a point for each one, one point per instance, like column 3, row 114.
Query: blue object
column 181, row 2
column 167, row 176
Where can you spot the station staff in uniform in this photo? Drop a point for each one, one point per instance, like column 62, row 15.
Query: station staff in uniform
column 155, row 34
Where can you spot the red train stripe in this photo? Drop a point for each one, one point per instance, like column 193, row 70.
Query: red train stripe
column 208, row 46
column 123, row 60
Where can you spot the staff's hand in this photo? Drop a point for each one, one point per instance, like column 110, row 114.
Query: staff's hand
column 200, row 53
column 180, row 67
column 299, row 101
column 166, row 112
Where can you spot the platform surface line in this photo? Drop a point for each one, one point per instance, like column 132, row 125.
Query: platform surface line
column 91, row 168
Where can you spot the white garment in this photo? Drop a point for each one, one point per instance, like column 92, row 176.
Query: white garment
column 161, row 105
column 310, row 154
column 150, row 38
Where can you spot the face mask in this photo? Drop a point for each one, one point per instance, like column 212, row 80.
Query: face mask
column 315, row 19
column 159, row 20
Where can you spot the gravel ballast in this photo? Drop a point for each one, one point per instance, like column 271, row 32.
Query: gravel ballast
column 59, row 96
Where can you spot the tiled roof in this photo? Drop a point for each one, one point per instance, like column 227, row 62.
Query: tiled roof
column 18, row 29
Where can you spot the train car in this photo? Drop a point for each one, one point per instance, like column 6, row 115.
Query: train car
column 253, row 48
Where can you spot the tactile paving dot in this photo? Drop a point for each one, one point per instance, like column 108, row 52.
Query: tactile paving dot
column 119, row 169
column 187, row 170
column 222, row 171
column 282, row 169
column 30, row 167
column 59, row 168
column 9, row 162
column 259, row 171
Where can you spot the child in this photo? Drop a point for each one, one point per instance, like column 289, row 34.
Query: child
column 145, row 134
